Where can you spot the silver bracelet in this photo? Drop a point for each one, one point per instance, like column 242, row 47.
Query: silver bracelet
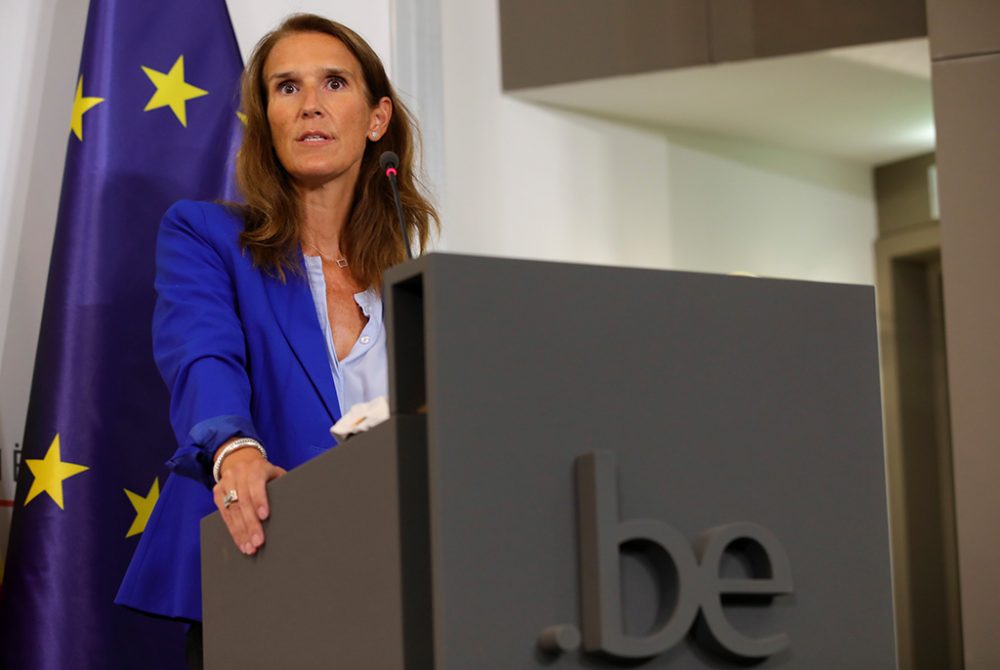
column 241, row 443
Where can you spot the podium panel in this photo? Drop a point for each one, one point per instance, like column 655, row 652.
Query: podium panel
column 589, row 468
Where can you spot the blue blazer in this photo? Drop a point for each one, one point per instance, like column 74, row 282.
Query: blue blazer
column 242, row 354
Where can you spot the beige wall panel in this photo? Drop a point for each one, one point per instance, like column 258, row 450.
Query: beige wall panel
column 902, row 194
column 747, row 29
column 967, row 107
column 546, row 42
column 963, row 27
column 556, row 41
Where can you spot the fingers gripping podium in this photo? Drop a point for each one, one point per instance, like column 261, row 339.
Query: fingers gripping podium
column 586, row 467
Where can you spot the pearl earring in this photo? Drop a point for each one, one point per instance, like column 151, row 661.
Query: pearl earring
column 374, row 135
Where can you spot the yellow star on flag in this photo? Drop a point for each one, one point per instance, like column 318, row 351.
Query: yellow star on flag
column 143, row 507
column 172, row 91
column 49, row 474
column 80, row 107
column 242, row 117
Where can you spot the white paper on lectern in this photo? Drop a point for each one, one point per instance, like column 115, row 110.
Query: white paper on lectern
column 361, row 417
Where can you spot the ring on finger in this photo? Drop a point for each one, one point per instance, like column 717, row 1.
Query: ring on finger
column 230, row 498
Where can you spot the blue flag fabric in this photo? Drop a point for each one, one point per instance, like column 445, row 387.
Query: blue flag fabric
column 153, row 120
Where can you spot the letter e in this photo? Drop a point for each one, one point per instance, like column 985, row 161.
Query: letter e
column 773, row 577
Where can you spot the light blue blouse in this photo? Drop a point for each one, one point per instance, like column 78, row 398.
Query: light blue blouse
column 364, row 373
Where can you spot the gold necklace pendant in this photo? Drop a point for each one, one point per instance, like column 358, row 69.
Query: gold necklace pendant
column 339, row 262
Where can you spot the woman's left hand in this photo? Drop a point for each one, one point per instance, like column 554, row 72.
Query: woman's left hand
column 246, row 472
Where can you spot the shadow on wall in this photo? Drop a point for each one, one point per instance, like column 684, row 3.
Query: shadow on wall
column 827, row 173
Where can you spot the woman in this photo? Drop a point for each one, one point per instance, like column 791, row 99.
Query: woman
column 268, row 320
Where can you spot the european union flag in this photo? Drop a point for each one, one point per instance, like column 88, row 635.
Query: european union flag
column 153, row 120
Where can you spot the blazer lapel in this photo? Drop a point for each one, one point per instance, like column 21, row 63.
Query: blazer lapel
column 295, row 314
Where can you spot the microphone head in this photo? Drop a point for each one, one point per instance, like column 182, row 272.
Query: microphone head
column 388, row 159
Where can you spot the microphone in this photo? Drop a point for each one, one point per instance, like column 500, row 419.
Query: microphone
column 390, row 162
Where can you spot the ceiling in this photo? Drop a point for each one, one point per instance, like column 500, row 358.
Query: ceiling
column 868, row 104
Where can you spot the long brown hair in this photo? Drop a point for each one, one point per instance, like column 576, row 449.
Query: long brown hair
column 371, row 240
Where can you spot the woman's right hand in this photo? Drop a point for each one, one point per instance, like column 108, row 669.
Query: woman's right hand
column 246, row 472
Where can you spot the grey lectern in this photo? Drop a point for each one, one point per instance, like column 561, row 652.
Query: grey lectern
column 587, row 467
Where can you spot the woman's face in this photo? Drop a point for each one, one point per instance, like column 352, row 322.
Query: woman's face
column 317, row 107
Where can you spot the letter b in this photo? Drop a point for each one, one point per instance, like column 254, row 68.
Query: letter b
column 601, row 538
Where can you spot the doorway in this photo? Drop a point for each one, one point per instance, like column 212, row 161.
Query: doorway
column 918, row 449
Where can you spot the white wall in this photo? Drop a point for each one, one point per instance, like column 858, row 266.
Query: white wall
column 512, row 178
column 528, row 181
column 522, row 180
column 741, row 206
